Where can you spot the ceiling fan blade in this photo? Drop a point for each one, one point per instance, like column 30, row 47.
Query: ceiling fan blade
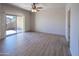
column 38, row 10
column 39, row 7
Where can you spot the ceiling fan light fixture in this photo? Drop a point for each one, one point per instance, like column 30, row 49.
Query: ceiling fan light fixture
column 34, row 10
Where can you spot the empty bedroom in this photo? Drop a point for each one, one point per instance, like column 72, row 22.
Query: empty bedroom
column 39, row 29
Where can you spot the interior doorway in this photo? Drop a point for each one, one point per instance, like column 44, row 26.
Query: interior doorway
column 14, row 24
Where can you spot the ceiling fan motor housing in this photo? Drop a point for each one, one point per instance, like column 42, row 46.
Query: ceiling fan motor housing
column 34, row 6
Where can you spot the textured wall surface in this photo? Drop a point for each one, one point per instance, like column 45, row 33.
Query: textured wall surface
column 51, row 21
column 74, row 33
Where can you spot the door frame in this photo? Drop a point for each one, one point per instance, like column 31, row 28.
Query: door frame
column 68, row 25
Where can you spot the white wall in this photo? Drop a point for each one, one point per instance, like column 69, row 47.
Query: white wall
column 2, row 23
column 0, row 20
column 32, row 22
column 74, row 33
column 51, row 20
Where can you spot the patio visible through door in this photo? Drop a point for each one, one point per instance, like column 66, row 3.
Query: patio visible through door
column 14, row 24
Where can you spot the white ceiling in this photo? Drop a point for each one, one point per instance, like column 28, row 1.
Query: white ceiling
column 28, row 6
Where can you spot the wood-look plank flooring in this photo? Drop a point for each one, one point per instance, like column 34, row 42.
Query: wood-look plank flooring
column 34, row 44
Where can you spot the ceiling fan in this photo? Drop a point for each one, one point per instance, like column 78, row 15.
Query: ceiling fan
column 35, row 8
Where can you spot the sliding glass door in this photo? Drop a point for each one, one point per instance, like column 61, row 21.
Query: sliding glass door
column 20, row 24
column 11, row 24
column 14, row 24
